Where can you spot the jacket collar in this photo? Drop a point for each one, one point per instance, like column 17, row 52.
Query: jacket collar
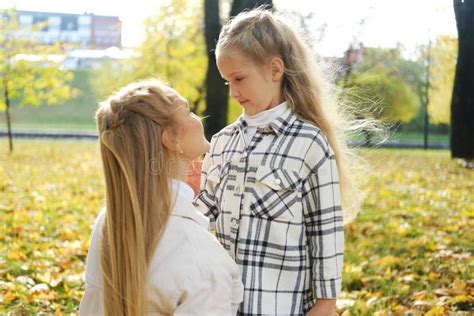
column 182, row 197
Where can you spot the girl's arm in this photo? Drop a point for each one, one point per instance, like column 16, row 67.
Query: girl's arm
column 323, row 307
column 324, row 226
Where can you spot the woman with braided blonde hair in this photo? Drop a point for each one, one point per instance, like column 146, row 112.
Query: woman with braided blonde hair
column 150, row 250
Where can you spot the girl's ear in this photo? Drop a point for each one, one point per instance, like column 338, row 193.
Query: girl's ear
column 278, row 68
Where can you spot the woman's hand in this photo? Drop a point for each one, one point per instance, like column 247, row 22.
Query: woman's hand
column 194, row 176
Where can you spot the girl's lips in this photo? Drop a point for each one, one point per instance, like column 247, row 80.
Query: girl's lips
column 243, row 101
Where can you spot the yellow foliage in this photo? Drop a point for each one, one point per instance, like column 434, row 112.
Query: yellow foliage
column 8, row 297
column 29, row 83
column 435, row 311
column 387, row 261
column 442, row 69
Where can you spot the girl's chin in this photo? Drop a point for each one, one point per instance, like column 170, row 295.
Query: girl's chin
column 251, row 112
column 248, row 109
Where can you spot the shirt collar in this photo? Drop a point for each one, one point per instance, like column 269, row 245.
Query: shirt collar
column 265, row 117
column 183, row 195
column 279, row 125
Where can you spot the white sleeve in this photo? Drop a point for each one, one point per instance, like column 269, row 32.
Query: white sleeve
column 214, row 295
column 214, row 287
column 237, row 292
column 92, row 301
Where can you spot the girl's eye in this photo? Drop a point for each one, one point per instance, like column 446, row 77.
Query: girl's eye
column 238, row 79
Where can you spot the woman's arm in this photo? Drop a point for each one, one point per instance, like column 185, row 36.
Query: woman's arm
column 211, row 297
column 92, row 301
column 213, row 285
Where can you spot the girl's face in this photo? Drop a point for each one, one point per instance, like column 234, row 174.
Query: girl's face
column 189, row 133
column 256, row 88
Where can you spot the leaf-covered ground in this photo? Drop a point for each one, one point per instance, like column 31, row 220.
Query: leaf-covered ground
column 410, row 252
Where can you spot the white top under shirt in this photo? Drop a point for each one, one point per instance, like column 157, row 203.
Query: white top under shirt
column 262, row 119
column 189, row 270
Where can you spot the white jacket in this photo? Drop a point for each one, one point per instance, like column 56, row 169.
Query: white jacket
column 189, row 270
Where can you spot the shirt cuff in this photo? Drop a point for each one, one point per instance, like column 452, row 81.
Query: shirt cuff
column 330, row 288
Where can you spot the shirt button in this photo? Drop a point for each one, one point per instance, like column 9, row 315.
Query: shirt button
column 277, row 181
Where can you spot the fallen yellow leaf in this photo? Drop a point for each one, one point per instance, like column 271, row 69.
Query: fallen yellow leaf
column 8, row 297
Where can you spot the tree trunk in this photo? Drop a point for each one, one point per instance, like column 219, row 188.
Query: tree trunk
column 240, row 5
column 7, row 113
column 462, row 104
column 218, row 93
column 427, row 98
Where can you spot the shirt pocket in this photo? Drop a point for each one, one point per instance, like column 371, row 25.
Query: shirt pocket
column 218, row 179
column 277, row 194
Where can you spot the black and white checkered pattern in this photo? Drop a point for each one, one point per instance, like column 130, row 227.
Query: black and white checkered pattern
column 276, row 208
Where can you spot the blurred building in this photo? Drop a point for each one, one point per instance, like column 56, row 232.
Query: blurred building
column 94, row 58
column 86, row 30
column 342, row 67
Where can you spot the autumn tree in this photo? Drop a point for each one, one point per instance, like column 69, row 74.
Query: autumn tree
column 28, row 75
column 173, row 50
column 217, row 95
column 382, row 96
column 379, row 87
column 442, row 67
column 462, row 104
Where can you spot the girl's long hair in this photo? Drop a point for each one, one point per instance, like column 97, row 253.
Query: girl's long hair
column 138, row 202
column 260, row 35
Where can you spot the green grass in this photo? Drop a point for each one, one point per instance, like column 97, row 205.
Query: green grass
column 76, row 113
column 409, row 251
column 418, row 136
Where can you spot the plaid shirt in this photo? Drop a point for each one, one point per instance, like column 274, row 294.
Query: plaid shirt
column 276, row 207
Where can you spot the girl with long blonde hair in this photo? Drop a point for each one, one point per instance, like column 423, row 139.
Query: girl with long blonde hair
column 150, row 250
column 276, row 183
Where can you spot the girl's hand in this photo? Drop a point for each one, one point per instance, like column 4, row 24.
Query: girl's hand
column 194, row 176
column 323, row 307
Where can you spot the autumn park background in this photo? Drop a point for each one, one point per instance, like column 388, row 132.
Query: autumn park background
column 409, row 252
